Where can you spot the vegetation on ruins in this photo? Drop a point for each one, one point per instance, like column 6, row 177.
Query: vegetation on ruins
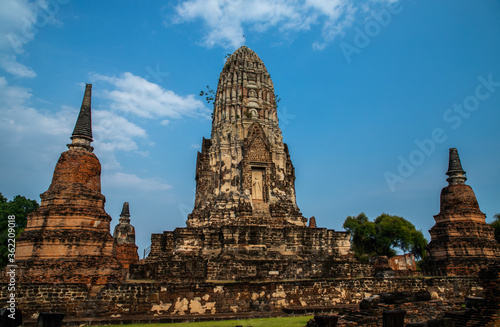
column 384, row 236
column 19, row 207
column 496, row 226
column 209, row 94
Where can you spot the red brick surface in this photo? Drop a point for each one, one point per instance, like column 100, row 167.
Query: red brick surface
column 67, row 239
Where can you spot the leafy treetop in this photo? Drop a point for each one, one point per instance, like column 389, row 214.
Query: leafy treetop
column 19, row 207
column 496, row 226
column 384, row 236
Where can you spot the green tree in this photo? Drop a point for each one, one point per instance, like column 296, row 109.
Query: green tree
column 384, row 236
column 496, row 226
column 20, row 207
column 363, row 235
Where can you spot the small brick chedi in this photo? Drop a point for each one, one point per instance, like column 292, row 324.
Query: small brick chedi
column 461, row 241
column 67, row 239
column 246, row 223
column 124, row 234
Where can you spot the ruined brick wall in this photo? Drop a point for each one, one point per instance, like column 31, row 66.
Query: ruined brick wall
column 218, row 298
column 126, row 254
column 250, row 253
column 490, row 280
column 403, row 263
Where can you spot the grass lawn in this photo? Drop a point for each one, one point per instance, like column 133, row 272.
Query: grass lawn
column 262, row 322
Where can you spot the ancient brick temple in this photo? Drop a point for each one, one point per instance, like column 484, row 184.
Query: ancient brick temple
column 246, row 223
column 124, row 234
column 461, row 241
column 67, row 239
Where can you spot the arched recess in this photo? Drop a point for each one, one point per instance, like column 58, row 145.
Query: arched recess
column 257, row 164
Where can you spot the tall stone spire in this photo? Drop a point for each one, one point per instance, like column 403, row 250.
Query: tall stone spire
column 245, row 168
column 455, row 172
column 82, row 134
column 245, row 224
column 67, row 239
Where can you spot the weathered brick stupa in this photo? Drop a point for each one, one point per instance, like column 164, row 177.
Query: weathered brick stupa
column 67, row 239
column 246, row 223
column 461, row 241
column 124, row 234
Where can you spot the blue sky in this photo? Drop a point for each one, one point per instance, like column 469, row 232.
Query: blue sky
column 374, row 93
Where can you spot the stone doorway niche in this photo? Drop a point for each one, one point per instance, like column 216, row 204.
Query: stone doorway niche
column 258, row 180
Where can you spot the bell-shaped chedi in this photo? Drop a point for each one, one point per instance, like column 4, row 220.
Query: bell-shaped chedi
column 246, row 224
column 244, row 175
column 124, row 234
column 461, row 241
column 67, row 239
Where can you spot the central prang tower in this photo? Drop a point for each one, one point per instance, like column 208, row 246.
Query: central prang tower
column 245, row 224
column 244, row 175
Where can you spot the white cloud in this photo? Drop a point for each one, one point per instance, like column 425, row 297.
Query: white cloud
column 20, row 21
column 31, row 140
column 112, row 132
column 22, row 125
column 122, row 181
column 16, row 21
column 226, row 20
column 335, row 27
column 135, row 95
column 9, row 63
column 12, row 96
column 20, row 122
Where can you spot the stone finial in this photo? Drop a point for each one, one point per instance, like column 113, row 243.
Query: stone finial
column 455, row 172
column 124, row 232
column 312, row 222
column 82, row 134
column 125, row 212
